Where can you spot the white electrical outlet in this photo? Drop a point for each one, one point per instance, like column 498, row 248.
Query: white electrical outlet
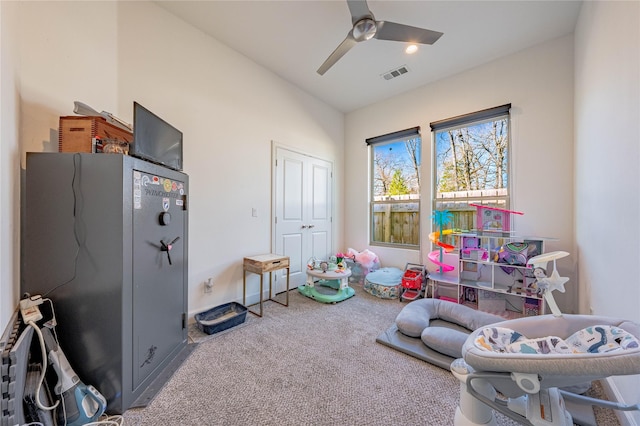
column 208, row 285
column 254, row 212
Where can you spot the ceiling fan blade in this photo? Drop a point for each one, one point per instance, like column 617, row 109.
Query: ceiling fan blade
column 343, row 48
column 399, row 32
column 359, row 10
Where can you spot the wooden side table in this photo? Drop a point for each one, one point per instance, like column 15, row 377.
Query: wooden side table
column 260, row 265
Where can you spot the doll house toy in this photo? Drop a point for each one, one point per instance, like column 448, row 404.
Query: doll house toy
column 486, row 268
column 493, row 218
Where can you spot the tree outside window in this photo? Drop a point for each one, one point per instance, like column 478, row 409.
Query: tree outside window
column 472, row 164
column 395, row 183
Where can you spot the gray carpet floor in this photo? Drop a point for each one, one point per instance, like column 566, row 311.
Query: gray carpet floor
column 308, row 364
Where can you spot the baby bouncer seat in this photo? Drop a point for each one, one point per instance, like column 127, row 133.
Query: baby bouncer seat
column 521, row 367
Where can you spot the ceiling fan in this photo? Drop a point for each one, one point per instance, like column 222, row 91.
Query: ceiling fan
column 365, row 27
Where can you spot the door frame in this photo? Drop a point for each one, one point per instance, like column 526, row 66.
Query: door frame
column 275, row 146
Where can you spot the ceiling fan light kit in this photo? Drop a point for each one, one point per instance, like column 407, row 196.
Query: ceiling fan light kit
column 411, row 49
column 365, row 27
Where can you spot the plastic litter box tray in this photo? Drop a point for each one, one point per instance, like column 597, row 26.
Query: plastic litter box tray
column 221, row 318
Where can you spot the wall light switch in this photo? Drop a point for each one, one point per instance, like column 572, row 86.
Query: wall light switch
column 254, row 212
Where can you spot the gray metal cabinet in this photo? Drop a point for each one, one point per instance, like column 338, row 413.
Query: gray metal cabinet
column 105, row 237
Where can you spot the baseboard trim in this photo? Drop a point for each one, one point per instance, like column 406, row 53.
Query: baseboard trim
column 613, row 394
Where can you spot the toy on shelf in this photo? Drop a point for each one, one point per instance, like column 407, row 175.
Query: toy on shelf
column 436, row 255
column 441, row 218
column 413, row 282
column 493, row 218
column 547, row 284
column 471, row 249
column 489, row 268
column 516, row 254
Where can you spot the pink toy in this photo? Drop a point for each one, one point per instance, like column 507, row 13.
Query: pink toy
column 475, row 253
column 434, row 257
column 367, row 259
column 493, row 218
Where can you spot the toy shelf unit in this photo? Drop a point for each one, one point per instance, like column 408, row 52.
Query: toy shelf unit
column 487, row 271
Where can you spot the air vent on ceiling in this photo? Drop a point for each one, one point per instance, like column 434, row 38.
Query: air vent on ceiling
column 395, row 72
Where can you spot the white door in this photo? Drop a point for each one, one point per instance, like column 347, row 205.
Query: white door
column 302, row 221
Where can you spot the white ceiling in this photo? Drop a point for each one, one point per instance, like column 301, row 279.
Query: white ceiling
column 293, row 38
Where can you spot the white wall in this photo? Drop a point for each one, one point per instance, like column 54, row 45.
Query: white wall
column 538, row 82
column 9, row 166
column 48, row 66
column 607, row 154
column 229, row 109
column 63, row 58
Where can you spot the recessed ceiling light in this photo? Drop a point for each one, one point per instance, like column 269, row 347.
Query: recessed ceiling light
column 412, row 48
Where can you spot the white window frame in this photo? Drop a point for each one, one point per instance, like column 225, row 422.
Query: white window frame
column 490, row 197
column 398, row 201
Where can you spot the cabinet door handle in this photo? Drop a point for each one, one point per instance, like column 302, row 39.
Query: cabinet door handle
column 304, row 226
column 167, row 247
column 310, row 226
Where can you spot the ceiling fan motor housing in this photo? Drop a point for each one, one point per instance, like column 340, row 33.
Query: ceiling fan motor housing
column 364, row 29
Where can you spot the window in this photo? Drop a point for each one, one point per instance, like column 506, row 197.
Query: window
column 395, row 189
column 471, row 165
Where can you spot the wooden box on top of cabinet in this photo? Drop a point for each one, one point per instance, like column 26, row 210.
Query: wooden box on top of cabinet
column 77, row 133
